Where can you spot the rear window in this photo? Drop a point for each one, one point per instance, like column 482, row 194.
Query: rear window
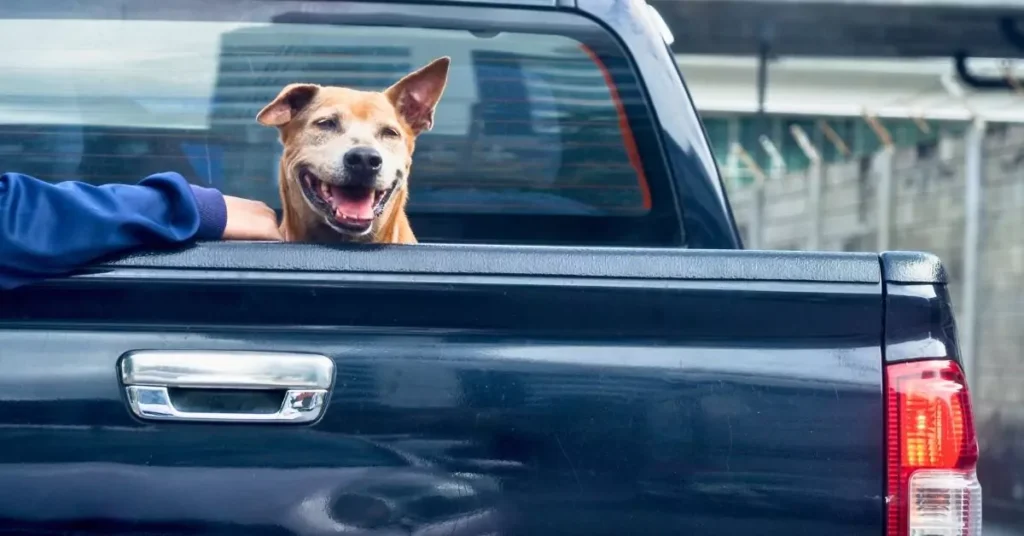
column 541, row 137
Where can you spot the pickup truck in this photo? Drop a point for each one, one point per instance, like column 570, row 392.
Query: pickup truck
column 580, row 346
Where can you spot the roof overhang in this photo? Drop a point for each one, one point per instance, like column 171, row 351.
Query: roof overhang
column 848, row 87
column 861, row 28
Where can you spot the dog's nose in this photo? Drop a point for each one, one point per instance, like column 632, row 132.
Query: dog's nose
column 363, row 161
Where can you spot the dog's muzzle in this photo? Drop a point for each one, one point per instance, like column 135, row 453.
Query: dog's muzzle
column 350, row 207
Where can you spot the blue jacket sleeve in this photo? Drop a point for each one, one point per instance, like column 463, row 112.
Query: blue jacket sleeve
column 48, row 229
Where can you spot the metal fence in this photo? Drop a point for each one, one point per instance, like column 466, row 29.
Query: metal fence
column 960, row 197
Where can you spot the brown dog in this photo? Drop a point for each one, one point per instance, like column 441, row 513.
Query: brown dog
column 344, row 174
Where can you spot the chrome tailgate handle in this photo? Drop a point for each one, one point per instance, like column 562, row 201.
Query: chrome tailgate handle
column 153, row 379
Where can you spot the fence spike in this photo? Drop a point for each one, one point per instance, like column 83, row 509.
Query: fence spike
column 834, row 138
column 750, row 163
column 804, row 143
column 778, row 161
column 922, row 125
column 884, row 137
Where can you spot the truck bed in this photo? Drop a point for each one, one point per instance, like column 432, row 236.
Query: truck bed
column 477, row 390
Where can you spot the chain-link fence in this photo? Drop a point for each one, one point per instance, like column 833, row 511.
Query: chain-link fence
column 960, row 197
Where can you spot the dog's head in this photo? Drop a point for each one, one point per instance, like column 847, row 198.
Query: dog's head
column 347, row 153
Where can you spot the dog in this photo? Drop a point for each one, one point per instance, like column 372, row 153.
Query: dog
column 344, row 172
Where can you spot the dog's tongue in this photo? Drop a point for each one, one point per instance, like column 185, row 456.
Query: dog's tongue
column 352, row 204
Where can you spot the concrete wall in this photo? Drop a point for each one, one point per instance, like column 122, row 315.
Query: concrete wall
column 927, row 214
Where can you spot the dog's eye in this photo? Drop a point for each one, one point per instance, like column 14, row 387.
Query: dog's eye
column 327, row 123
column 388, row 132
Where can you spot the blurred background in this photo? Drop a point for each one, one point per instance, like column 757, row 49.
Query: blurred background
column 865, row 125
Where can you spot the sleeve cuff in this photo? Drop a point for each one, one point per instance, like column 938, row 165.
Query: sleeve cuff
column 213, row 213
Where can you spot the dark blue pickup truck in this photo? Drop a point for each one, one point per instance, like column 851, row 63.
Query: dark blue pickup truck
column 579, row 347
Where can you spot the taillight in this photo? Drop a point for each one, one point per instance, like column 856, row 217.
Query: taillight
column 933, row 489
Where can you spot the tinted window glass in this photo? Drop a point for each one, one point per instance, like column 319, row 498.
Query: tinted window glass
column 533, row 127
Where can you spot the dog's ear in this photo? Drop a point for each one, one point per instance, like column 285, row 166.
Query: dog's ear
column 416, row 95
column 286, row 105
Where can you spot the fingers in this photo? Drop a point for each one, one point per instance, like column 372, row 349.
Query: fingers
column 250, row 220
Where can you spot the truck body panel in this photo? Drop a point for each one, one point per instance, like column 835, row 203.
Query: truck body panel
column 513, row 404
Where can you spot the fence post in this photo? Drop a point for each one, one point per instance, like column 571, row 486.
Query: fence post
column 757, row 207
column 974, row 162
column 757, row 222
column 778, row 163
column 883, row 164
column 815, row 179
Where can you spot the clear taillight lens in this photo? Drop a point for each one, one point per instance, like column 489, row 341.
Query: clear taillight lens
column 932, row 452
column 944, row 503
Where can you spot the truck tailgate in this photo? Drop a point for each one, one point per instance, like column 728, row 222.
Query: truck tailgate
column 476, row 390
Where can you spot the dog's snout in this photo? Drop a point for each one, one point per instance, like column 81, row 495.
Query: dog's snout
column 363, row 161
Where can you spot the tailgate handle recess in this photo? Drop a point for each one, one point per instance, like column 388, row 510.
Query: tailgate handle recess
column 226, row 386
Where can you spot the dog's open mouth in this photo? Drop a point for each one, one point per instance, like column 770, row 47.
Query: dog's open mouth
column 353, row 208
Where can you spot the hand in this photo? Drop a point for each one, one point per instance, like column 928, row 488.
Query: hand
column 250, row 220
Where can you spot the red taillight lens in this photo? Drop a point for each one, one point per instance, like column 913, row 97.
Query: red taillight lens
column 932, row 452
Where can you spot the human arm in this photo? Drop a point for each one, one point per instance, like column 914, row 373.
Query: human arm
column 49, row 229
